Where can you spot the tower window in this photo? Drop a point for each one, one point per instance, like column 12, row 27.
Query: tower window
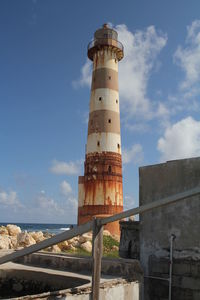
column 116, row 101
column 109, row 169
column 118, row 146
column 98, row 143
column 100, row 98
column 109, row 77
column 109, row 120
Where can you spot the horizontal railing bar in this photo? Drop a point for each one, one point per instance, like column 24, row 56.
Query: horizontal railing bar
column 149, row 206
column 48, row 242
column 158, row 278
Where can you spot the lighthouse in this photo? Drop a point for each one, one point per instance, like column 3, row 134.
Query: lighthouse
column 100, row 189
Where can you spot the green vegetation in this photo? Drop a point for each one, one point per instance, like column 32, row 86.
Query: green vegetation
column 110, row 248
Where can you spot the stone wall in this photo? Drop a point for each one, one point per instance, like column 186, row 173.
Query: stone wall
column 181, row 219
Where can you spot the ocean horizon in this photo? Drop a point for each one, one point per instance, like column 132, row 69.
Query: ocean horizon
column 44, row 227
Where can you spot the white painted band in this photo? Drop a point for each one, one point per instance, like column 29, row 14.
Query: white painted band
column 104, row 99
column 81, row 194
column 105, row 191
column 105, row 59
column 103, row 142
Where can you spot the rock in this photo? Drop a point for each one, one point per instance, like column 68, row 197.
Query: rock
column 3, row 230
column 88, row 236
column 72, row 248
column 82, row 239
column 106, row 233
column 13, row 230
column 75, row 244
column 116, row 237
column 115, row 248
column 47, row 235
column 87, row 246
column 4, row 242
column 63, row 246
column 25, row 239
column 13, row 242
column 55, row 249
column 37, row 236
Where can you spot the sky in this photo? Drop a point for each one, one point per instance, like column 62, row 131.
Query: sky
column 45, row 89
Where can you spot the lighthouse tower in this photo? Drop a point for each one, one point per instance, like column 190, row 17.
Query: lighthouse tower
column 100, row 189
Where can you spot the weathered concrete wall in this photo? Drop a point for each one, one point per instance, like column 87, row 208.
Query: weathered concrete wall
column 121, row 278
column 181, row 219
column 122, row 290
column 129, row 239
column 120, row 267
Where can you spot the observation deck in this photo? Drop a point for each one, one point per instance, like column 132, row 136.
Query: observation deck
column 98, row 44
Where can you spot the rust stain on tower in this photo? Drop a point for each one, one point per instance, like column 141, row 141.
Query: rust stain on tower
column 100, row 189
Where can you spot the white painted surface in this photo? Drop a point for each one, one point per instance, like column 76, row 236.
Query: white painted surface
column 81, row 194
column 104, row 194
column 108, row 142
column 107, row 102
column 105, row 59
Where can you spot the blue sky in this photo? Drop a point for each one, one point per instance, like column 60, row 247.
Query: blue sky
column 44, row 96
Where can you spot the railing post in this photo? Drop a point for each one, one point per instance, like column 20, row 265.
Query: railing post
column 97, row 250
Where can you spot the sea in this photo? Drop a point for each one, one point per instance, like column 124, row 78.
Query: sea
column 51, row 228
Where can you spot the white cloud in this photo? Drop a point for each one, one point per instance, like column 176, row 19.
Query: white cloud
column 9, row 199
column 73, row 202
column 65, row 188
column 133, row 154
column 70, row 201
column 141, row 50
column 86, row 75
column 188, row 58
column 129, row 202
column 48, row 205
column 180, row 140
column 65, row 168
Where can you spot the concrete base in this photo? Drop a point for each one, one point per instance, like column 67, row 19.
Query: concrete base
column 121, row 279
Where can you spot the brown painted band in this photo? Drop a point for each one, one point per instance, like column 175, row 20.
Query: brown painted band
column 105, row 78
column 99, row 209
column 104, row 158
column 99, row 178
column 104, row 121
column 94, row 178
column 103, row 167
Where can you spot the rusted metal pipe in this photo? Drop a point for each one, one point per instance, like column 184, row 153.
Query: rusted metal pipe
column 172, row 238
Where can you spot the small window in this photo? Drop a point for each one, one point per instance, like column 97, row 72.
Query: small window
column 115, row 60
column 100, row 98
column 98, row 143
column 109, row 77
column 116, row 101
column 109, row 169
column 109, row 120
column 118, row 146
column 94, row 79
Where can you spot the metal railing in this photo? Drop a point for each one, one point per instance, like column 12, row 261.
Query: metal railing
column 96, row 225
column 105, row 42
